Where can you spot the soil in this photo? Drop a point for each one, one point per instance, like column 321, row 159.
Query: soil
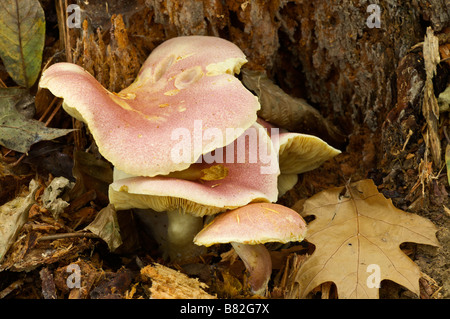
column 378, row 107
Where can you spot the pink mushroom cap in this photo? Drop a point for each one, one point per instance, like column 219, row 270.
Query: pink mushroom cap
column 297, row 153
column 247, row 229
column 253, row 224
column 183, row 81
column 245, row 182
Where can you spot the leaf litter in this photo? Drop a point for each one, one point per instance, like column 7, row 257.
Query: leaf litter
column 17, row 132
column 13, row 216
column 84, row 230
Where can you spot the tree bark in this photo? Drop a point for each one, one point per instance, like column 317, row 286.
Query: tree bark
column 323, row 51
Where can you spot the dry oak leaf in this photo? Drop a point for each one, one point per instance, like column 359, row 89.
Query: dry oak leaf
column 357, row 233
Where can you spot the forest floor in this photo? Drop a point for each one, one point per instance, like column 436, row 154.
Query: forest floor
column 36, row 264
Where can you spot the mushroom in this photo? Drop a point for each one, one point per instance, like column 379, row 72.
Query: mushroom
column 226, row 183
column 248, row 228
column 187, row 83
column 298, row 153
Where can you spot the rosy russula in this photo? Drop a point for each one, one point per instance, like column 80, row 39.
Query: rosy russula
column 298, row 153
column 247, row 229
column 203, row 189
column 184, row 80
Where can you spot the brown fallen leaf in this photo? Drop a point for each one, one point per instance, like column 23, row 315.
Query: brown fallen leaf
column 13, row 215
column 106, row 226
column 357, row 233
column 11, row 181
column 91, row 174
column 290, row 113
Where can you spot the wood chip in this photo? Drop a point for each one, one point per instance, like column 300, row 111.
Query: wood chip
column 48, row 284
column 430, row 107
column 15, row 285
column 168, row 283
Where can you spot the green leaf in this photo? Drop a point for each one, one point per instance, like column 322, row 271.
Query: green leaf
column 16, row 131
column 22, row 35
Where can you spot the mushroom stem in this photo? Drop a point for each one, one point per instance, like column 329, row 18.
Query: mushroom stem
column 181, row 230
column 258, row 263
column 173, row 231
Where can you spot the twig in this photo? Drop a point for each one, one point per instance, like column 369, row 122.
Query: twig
column 410, row 133
column 15, row 285
column 58, row 106
column 7, row 153
column 442, row 38
column 19, row 160
column 68, row 235
column 50, row 106
column 66, row 32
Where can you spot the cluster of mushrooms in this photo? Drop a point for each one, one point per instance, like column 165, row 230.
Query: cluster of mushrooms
column 182, row 141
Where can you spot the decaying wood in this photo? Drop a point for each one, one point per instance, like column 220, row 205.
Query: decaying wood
column 322, row 51
column 430, row 106
column 167, row 283
column 48, row 284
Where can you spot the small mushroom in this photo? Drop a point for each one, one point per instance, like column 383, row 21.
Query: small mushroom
column 301, row 153
column 248, row 228
column 203, row 189
column 186, row 83
column 298, row 153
